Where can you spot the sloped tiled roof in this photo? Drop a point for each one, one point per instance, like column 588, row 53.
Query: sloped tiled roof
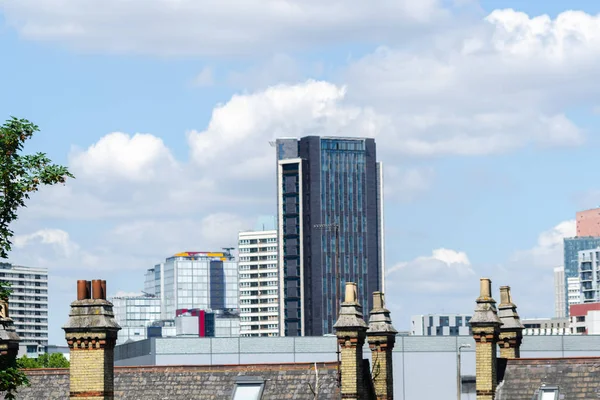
column 283, row 381
column 576, row 378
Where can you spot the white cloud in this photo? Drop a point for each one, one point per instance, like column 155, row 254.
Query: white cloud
column 486, row 88
column 406, row 183
column 204, row 78
column 222, row 27
column 244, row 125
column 438, row 283
column 141, row 157
column 51, row 248
column 438, row 273
column 548, row 252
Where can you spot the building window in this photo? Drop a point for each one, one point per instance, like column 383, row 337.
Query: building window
column 248, row 388
column 548, row 393
column 444, row 321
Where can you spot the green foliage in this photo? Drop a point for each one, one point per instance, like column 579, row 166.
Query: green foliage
column 5, row 290
column 54, row 360
column 21, row 175
column 11, row 379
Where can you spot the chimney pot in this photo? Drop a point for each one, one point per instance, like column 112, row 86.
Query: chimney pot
column 505, row 295
column 350, row 292
column 378, row 300
column 104, row 289
column 485, row 288
column 83, row 290
column 97, row 289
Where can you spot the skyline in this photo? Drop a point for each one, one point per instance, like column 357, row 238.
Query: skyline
column 485, row 121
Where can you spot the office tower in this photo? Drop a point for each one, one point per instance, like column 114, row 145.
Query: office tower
column 572, row 247
column 194, row 280
column 589, row 275
column 559, row 292
column 588, row 222
column 330, row 228
column 440, row 325
column 258, row 280
column 28, row 304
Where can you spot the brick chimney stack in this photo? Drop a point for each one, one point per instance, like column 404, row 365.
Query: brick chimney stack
column 381, row 336
column 485, row 326
column 91, row 333
column 511, row 332
column 9, row 340
column 350, row 330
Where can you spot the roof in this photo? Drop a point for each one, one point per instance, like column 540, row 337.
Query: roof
column 576, row 378
column 282, row 381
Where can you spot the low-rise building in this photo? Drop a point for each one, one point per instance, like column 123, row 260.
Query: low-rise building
column 440, row 325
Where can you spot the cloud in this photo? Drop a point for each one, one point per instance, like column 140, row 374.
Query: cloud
column 51, row 248
column 141, row 157
column 407, row 183
column 244, row 125
column 204, row 78
column 486, row 88
column 224, row 27
column 438, row 273
column 440, row 282
column 548, row 252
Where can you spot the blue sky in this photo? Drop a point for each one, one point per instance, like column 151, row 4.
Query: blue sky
column 486, row 122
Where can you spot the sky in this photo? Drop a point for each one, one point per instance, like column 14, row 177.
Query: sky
column 485, row 114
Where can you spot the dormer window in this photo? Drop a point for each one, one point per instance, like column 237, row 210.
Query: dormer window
column 547, row 393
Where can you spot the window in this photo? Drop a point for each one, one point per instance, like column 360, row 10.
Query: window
column 548, row 393
column 248, row 388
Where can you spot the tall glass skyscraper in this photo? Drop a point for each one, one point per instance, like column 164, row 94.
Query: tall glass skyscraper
column 330, row 228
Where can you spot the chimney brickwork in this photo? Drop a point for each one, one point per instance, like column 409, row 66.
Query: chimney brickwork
column 511, row 332
column 381, row 336
column 9, row 339
column 91, row 334
column 350, row 330
column 485, row 326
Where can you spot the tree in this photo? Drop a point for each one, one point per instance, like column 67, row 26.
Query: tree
column 20, row 175
column 54, row 360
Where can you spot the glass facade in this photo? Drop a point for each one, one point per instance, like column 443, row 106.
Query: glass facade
column 195, row 281
column 330, row 228
column 572, row 247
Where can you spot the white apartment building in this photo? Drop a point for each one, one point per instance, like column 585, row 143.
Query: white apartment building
column 258, row 280
column 28, row 305
column 573, row 291
column 559, row 292
column 589, row 275
column 440, row 325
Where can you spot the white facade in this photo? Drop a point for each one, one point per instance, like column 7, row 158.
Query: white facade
column 559, row 292
column 440, row 325
column 574, row 291
column 28, row 304
column 258, row 283
column 546, row 326
column 589, row 275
